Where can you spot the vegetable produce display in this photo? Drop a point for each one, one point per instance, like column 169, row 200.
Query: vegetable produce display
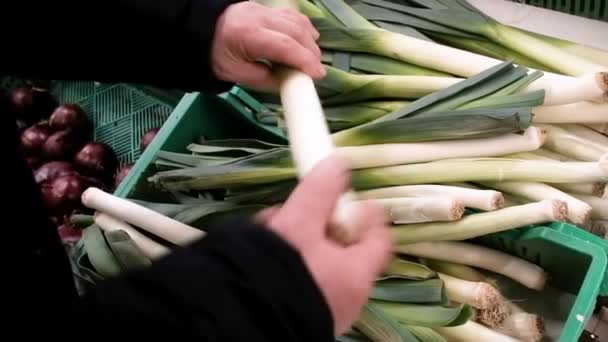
column 57, row 139
column 459, row 126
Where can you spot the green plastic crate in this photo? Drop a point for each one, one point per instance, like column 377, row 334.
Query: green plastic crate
column 575, row 259
column 593, row 9
column 121, row 113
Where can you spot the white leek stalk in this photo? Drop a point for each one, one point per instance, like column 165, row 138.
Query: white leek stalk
column 579, row 212
column 601, row 128
column 598, row 140
column 415, row 210
column 599, row 205
column 592, row 189
column 472, row 332
column 571, row 90
column 524, row 326
column 408, row 153
column 483, row 223
column 487, row 200
column 479, row 295
column 572, row 145
column 579, row 112
column 160, row 225
column 522, row 271
column 150, row 248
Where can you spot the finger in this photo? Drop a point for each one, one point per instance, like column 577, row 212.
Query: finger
column 256, row 75
column 281, row 48
column 264, row 216
column 293, row 29
column 314, row 199
column 373, row 251
column 302, row 21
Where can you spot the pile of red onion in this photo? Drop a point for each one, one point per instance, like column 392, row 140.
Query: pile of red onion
column 57, row 141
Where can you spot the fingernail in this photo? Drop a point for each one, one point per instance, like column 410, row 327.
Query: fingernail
column 321, row 71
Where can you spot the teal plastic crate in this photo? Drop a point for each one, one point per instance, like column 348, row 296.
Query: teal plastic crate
column 593, row 9
column 575, row 259
column 121, row 113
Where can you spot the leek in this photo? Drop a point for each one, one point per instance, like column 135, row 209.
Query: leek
column 456, row 270
column 380, row 326
column 450, row 60
column 473, row 332
column 524, row 326
column 160, row 225
column 425, row 334
column 403, row 269
column 579, row 112
column 476, row 225
column 415, row 210
column 408, row 291
column 482, row 169
column 599, row 206
column 479, row 295
column 579, row 212
column 466, row 18
column 487, row 200
column 601, row 128
column 350, row 87
column 373, row 64
column 395, row 154
column 150, row 248
column 426, row 315
column 524, row 272
column 598, row 140
column 572, row 145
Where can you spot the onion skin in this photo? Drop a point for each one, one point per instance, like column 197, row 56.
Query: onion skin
column 122, row 174
column 62, row 195
column 97, row 160
column 69, row 116
column 34, row 137
column 31, row 104
column 147, row 138
column 54, row 169
column 61, row 145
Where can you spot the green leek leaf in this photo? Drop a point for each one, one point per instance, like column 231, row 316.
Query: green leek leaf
column 379, row 326
column 408, row 291
column 99, row 254
column 127, row 253
column 426, row 315
column 405, row 269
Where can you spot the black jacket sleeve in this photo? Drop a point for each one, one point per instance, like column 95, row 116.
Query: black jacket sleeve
column 165, row 43
column 240, row 283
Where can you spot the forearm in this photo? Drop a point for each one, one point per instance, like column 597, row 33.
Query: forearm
column 111, row 40
column 240, row 283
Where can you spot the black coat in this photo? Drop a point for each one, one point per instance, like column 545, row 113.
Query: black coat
column 240, row 283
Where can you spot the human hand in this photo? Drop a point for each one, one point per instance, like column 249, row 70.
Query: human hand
column 345, row 275
column 248, row 32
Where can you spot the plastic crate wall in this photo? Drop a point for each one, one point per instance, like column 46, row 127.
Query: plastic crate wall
column 593, row 9
column 121, row 113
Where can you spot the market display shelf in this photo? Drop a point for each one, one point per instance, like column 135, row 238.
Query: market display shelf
column 121, row 113
column 593, row 9
column 576, row 260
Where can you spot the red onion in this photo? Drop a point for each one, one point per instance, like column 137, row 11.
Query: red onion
column 62, row 194
column 147, row 138
column 31, row 104
column 61, row 145
column 96, row 159
column 70, row 116
column 34, row 137
column 122, row 173
column 51, row 170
